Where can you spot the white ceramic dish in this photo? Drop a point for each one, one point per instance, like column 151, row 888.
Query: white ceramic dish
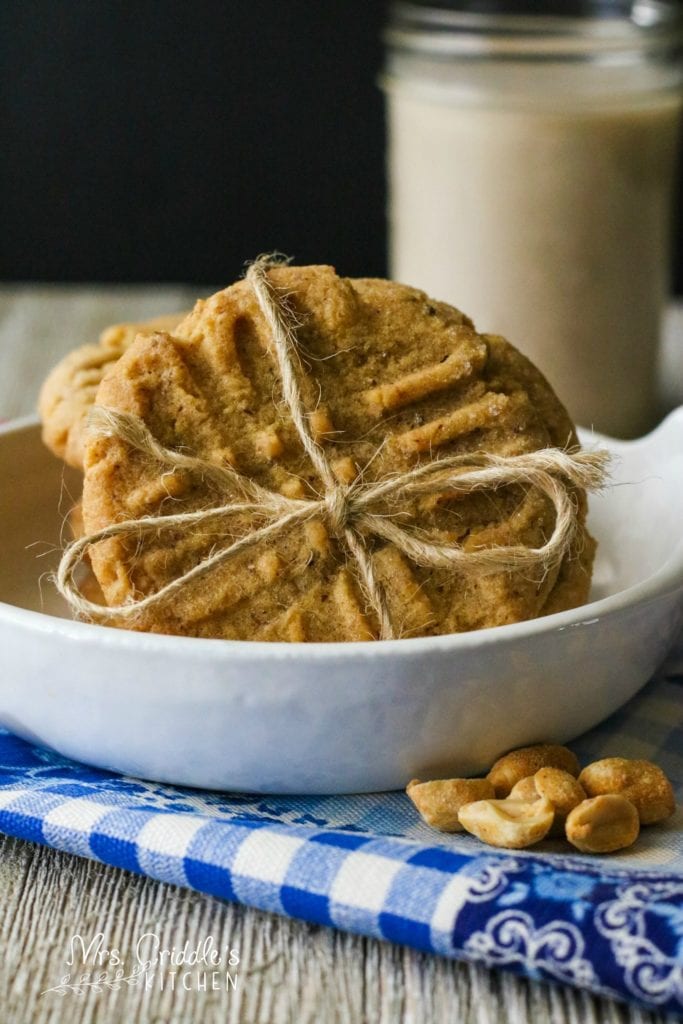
column 333, row 718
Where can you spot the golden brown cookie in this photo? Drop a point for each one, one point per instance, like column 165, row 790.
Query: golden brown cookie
column 68, row 392
column 389, row 377
column 87, row 582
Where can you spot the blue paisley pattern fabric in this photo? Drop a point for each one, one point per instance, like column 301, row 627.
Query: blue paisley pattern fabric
column 613, row 925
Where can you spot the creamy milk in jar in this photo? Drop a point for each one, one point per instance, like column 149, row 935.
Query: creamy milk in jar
column 531, row 163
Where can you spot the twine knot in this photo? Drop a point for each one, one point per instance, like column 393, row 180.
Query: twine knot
column 338, row 508
column 346, row 508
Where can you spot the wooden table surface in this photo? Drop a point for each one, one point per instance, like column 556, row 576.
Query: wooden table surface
column 289, row 970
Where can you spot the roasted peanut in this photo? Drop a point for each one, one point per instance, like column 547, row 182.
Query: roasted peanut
column 525, row 789
column 641, row 782
column 564, row 792
column 512, row 824
column 603, row 824
column 519, row 764
column 556, row 785
column 439, row 801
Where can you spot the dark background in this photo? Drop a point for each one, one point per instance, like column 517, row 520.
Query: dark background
column 145, row 140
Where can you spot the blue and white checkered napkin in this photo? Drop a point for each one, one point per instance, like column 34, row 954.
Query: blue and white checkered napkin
column 367, row 864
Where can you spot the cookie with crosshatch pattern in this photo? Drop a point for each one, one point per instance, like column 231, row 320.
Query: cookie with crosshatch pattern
column 390, row 378
column 69, row 390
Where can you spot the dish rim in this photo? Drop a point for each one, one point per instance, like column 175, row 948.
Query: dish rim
column 666, row 580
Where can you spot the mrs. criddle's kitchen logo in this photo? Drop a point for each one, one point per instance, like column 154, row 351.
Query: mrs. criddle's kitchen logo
column 95, row 966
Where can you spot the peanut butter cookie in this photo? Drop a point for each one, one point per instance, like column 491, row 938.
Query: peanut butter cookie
column 68, row 392
column 388, row 377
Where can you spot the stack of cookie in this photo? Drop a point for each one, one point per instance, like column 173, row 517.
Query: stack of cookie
column 388, row 379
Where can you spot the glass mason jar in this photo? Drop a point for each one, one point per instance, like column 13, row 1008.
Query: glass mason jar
column 531, row 159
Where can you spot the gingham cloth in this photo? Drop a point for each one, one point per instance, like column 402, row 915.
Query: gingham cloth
column 367, row 864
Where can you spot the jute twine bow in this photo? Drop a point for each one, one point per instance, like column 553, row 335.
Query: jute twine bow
column 346, row 508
